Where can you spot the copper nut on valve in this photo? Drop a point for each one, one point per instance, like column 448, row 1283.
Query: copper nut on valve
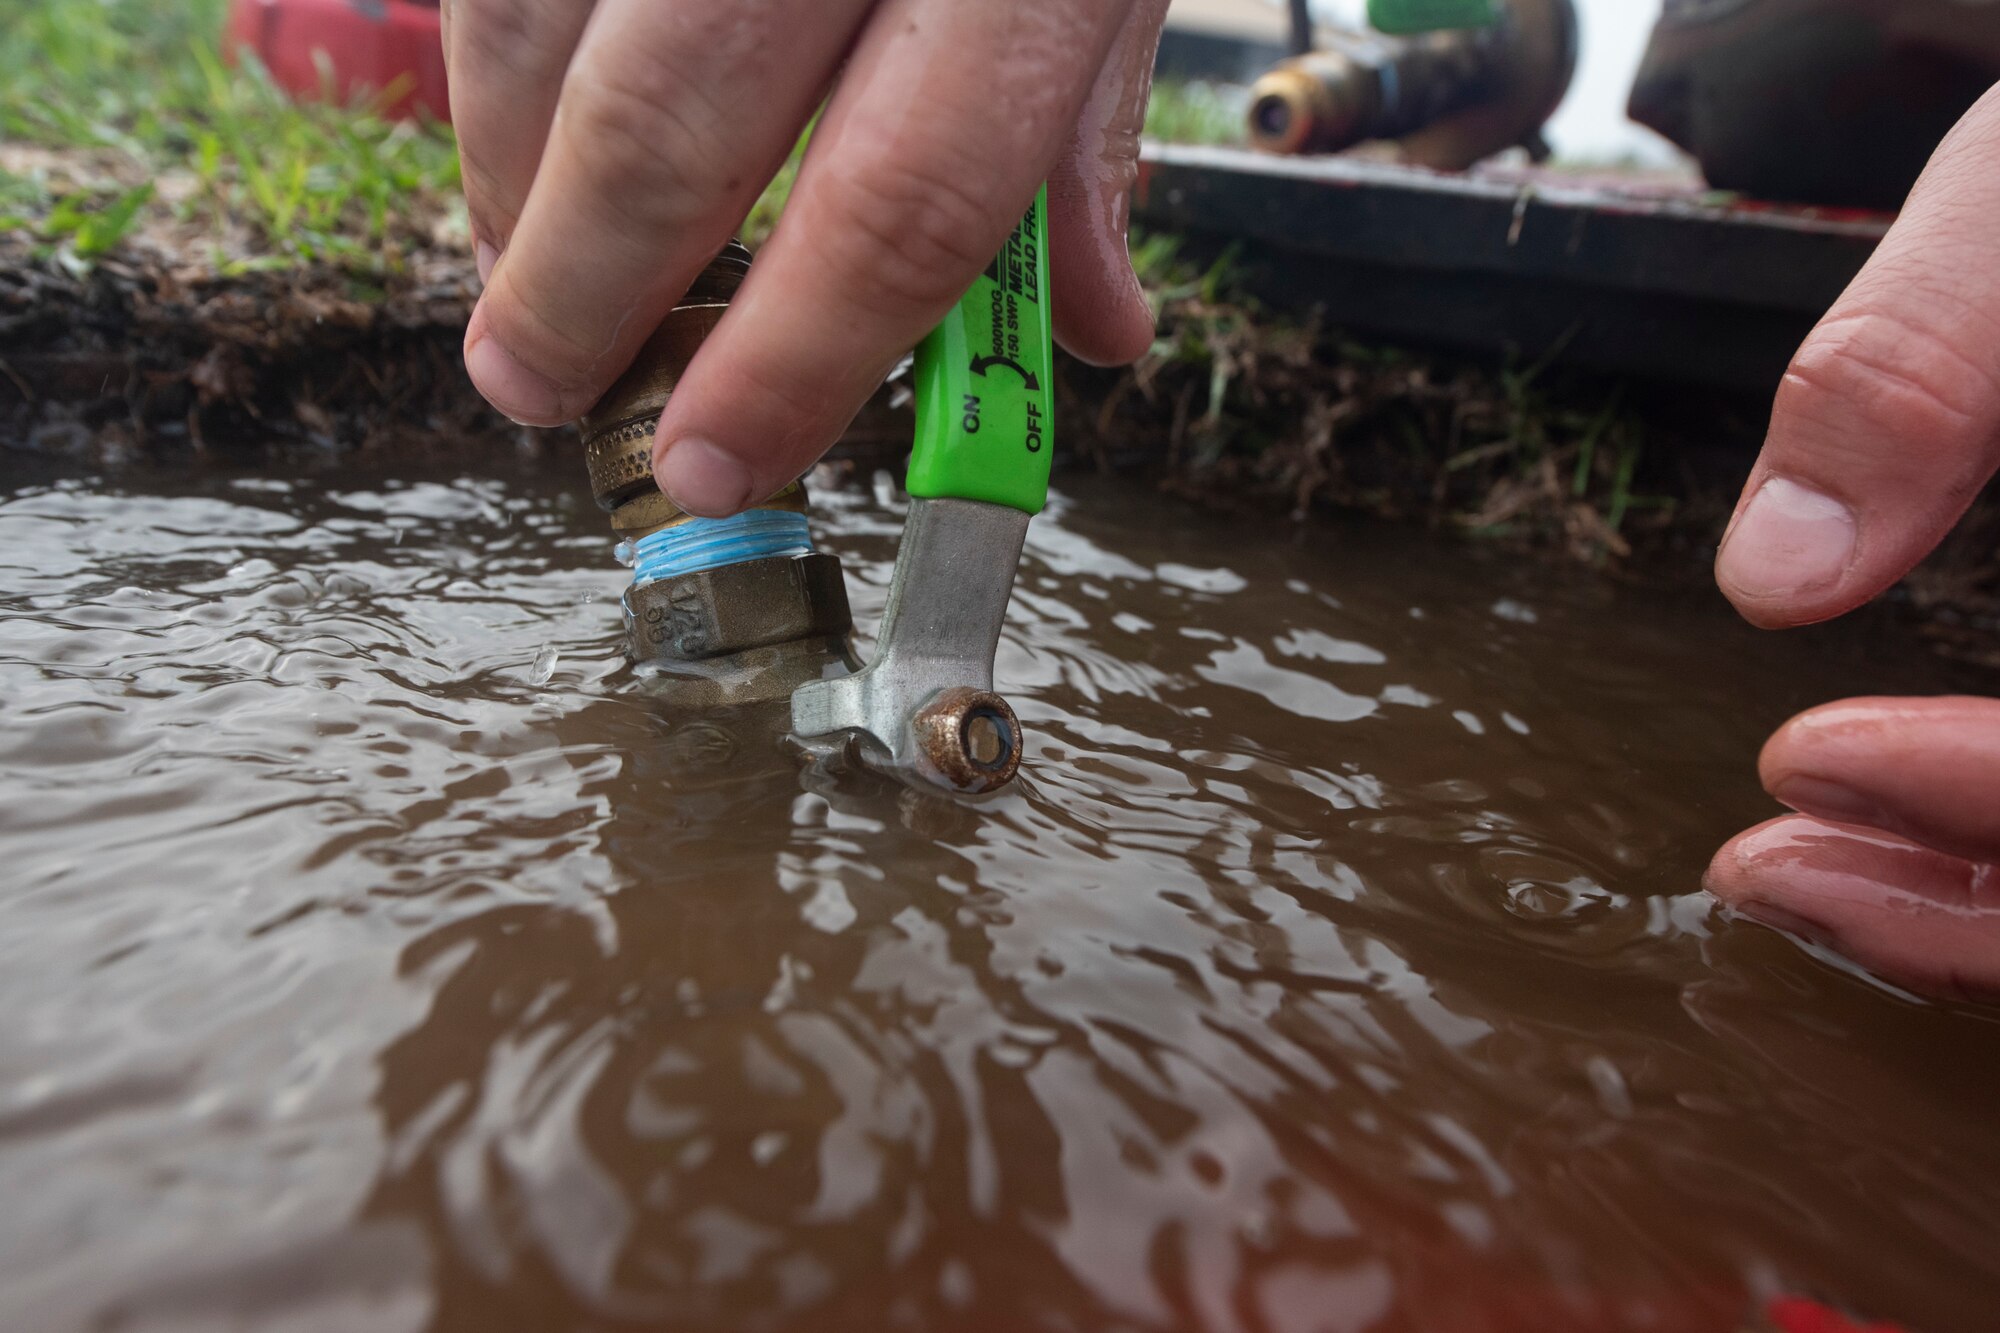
column 972, row 739
column 924, row 709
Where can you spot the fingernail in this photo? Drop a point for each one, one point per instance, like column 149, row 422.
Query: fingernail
column 1829, row 800
column 1790, row 540
column 1792, row 923
column 706, row 480
column 512, row 387
column 487, row 256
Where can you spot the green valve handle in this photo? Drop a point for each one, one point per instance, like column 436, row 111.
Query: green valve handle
column 925, row 709
column 1403, row 17
column 985, row 384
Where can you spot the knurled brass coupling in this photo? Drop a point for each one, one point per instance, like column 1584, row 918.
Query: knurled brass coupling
column 618, row 431
column 744, row 608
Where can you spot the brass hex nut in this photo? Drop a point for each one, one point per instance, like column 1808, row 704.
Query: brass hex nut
column 972, row 739
column 731, row 610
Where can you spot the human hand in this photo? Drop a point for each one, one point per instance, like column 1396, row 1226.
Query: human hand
column 611, row 147
column 1885, row 431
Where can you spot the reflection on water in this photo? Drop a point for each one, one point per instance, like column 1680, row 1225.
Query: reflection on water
column 376, row 953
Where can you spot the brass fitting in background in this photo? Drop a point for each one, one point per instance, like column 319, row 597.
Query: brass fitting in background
column 1448, row 99
column 1371, row 87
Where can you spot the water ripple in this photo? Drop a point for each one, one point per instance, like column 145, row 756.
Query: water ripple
column 379, row 953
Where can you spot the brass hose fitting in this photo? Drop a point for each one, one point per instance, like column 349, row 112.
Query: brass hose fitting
column 740, row 627
column 618, row 431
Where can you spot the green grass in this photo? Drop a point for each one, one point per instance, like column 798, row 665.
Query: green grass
column 86, row 228
column 1518, row 452
column 1196, row 113
column 144, row 86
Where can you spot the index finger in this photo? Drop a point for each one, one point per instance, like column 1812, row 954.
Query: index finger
column 506, row 59
column 672, row 117
column 1888, row 423
column 1926, row 769
column 948, row 119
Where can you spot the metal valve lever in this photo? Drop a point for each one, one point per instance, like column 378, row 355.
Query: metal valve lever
column 924, row 709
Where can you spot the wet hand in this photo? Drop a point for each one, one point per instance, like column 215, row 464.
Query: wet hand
column 1885, row 431
column 612, row 147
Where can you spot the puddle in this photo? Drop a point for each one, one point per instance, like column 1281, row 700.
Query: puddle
column 370, row 958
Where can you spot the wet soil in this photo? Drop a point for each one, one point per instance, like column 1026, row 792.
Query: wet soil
column 377, row 953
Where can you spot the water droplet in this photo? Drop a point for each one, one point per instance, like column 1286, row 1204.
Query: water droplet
column 830, row 909
column 626, row 554
column 1608, row 1081
column 545, row 666
column 1009, row 1056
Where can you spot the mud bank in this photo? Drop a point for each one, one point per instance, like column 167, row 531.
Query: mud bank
column 155, row 351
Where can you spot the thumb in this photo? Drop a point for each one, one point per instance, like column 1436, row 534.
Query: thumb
column 1888, row 422
column 1100, row 311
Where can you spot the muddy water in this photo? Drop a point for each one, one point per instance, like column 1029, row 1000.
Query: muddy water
column 375, row 954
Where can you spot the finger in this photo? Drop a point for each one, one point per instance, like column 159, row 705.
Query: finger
column 1888, row 423
column 672, row 118
column 949, row 116
column 1916, row 916
column 1101, row 313
column 1926, row 769
column 505, row 59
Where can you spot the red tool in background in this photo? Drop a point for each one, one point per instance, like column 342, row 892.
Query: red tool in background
column 1800, row 1316
column 363, row 46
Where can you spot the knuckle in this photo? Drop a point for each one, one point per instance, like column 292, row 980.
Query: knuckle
column 1894, row 380
column 808, row 418
column 907, row 234
column 531, row 309
column 548, row 342
column 520, row 37
column 493, row 201
column 639, row 136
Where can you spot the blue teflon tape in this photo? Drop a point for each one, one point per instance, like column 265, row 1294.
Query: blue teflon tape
column 711, row 543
